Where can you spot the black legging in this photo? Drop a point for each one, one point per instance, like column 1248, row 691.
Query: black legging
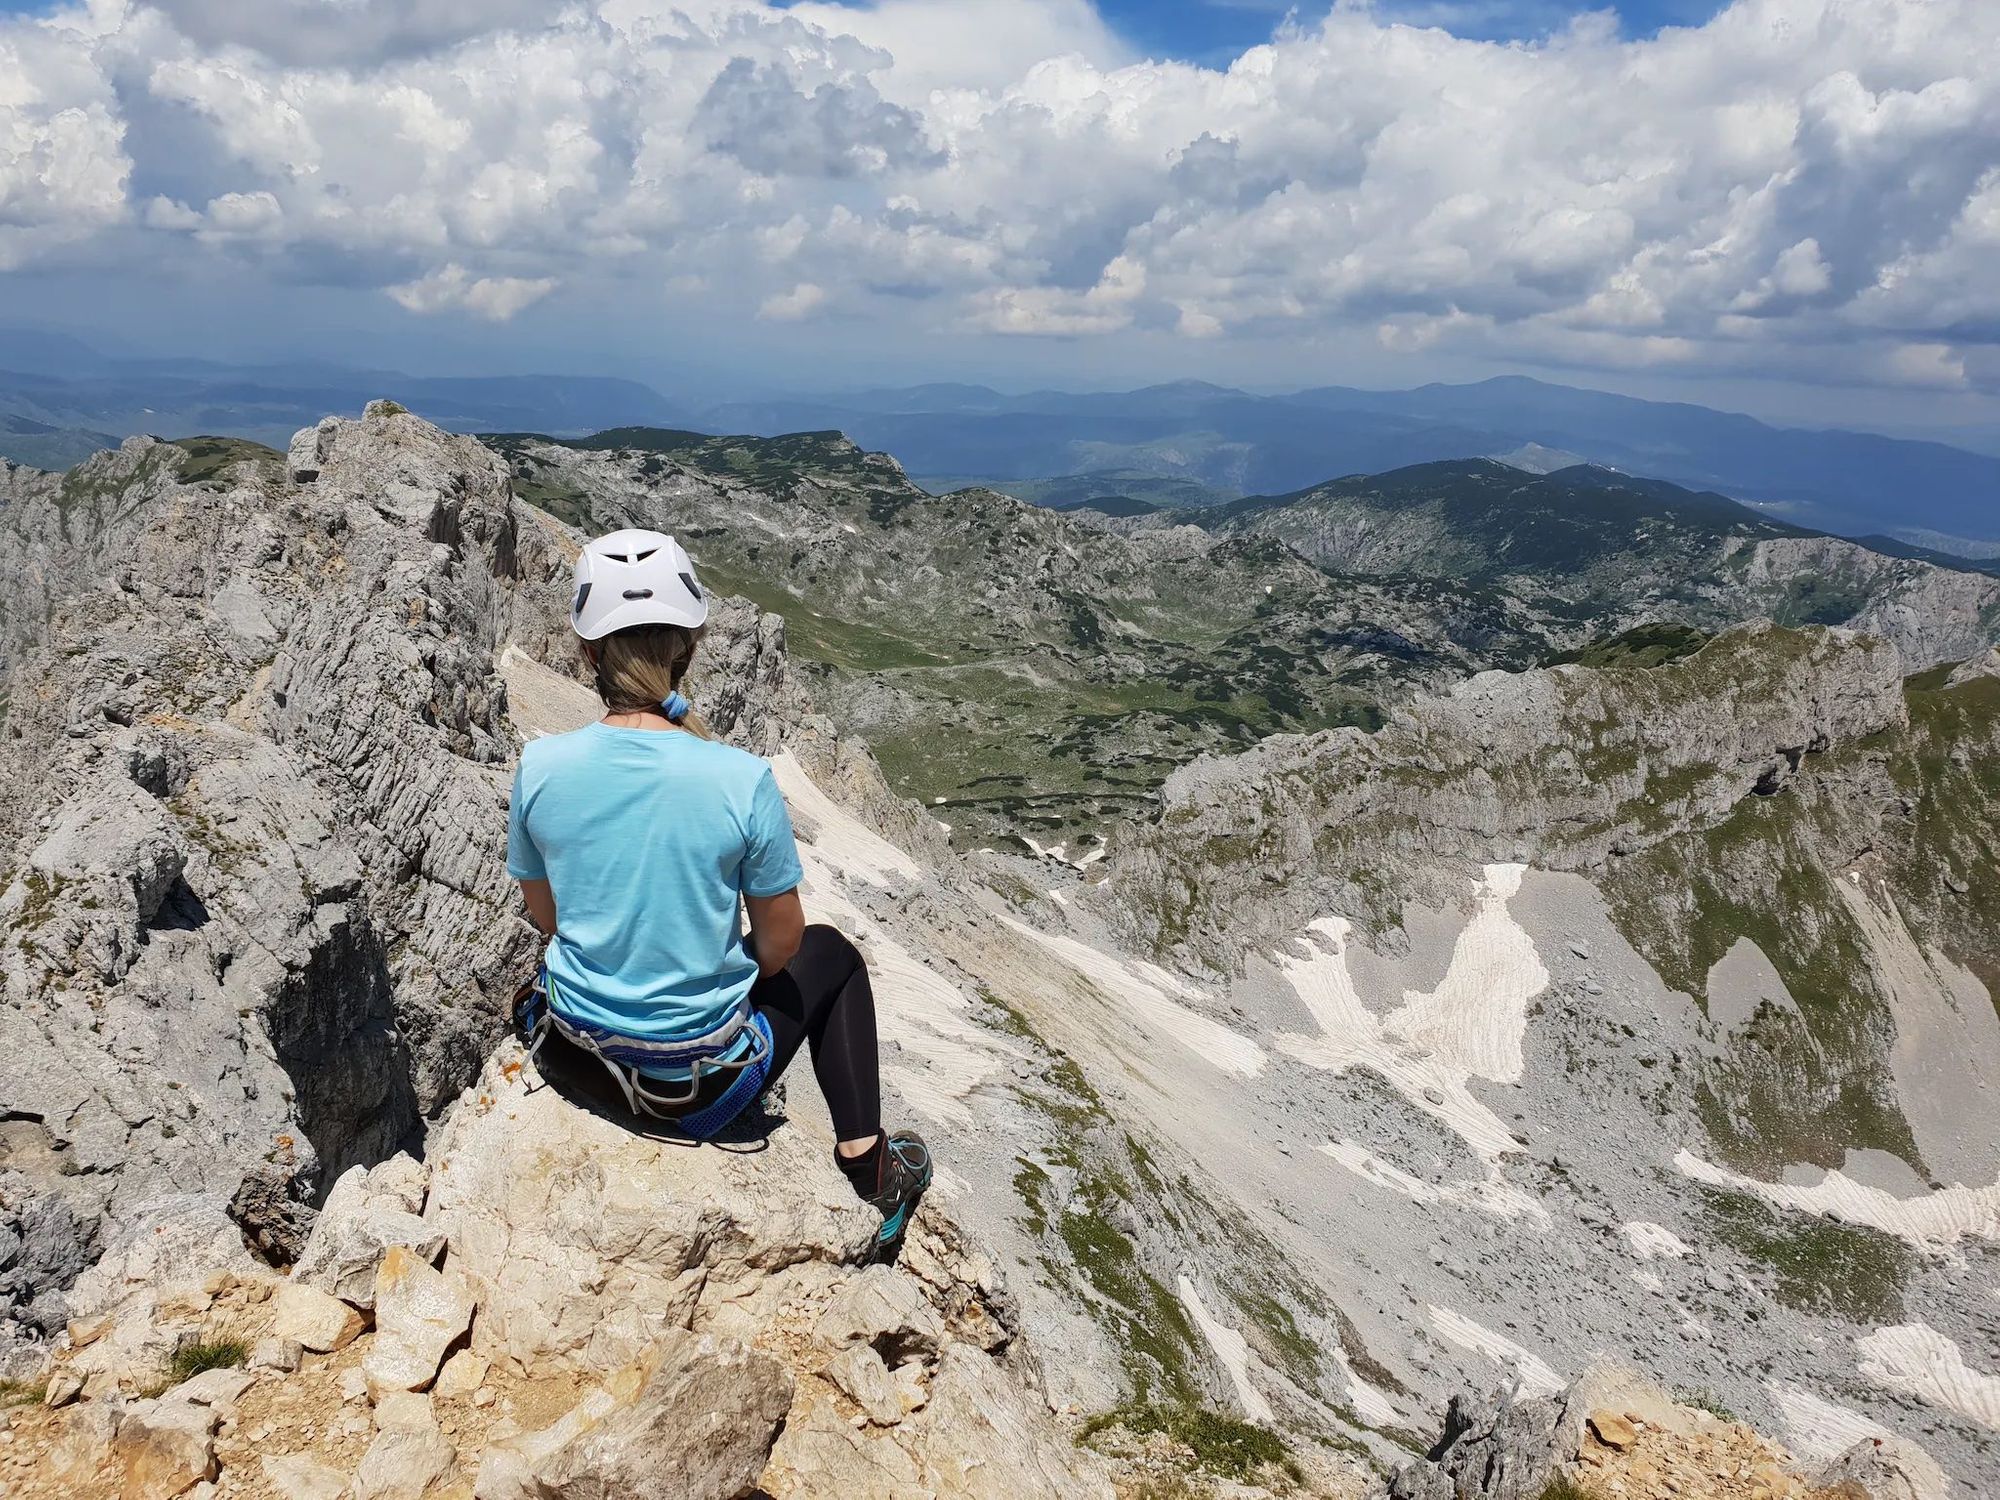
column 823, row 997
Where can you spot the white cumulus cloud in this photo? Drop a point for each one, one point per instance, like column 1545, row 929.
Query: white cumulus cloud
column 452, row 287
column 1798, row 187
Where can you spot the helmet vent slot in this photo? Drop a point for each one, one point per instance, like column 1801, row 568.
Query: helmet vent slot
column 638, row 593
column 639, row 557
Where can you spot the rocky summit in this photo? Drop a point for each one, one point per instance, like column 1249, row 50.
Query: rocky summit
column 1577, row 1074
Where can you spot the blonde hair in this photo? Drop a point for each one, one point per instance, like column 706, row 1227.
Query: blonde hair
column 637, row 667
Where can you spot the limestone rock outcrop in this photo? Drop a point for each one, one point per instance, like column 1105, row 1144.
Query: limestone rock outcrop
column 1569, row 768
column 256, row 922
column 1612, row 1432
column 645, row 1318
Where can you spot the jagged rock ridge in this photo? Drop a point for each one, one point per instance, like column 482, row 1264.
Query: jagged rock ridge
column 1369, row 1248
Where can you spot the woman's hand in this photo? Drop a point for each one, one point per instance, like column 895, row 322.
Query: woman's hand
column 777, row 927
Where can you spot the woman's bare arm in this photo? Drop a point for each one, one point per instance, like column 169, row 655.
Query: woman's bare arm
column 777, row 927
column 541, row 905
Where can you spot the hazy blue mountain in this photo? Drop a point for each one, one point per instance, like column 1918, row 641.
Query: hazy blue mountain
column 51, row 385
column 1067, row 491
column 40, row 445
column 1852, row 482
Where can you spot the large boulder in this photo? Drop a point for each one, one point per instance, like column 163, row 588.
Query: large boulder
column 700, row 1428
column 366, row 1214
column 420, row 1312
column 1884, row 1468
column 165, row 1447
column 586, row 1241
column 981, row 1437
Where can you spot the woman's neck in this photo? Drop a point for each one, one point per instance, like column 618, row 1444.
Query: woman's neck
column 638, row 719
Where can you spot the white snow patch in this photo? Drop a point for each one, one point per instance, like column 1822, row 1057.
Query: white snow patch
column 1918, row 1360
column 1492, row 1194
column 1931, row 1221
column 1431, row 1046
column 1060, row 852
column 1370, row 1403
column 1532, row 1377
column 945, row 1054
column 1816, row 1429
column 848, row 845
column 1650, row 1241
column 1151, row 993
column 1230, row 1347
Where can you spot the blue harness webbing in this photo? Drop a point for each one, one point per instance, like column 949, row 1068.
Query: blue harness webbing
column 624, row 1056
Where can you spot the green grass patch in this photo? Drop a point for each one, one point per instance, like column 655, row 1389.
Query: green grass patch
column 1222, row 1445
column 1029, row 1183
column 1642, row 646
column 1811, row 600
column 1562, row 1487
column 22, row 1392
column 191, row 1360
column 1821, row 1267
column 210, row 458
column 1706, row 1400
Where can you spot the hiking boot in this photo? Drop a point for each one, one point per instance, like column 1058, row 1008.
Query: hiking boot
column 905, row 1173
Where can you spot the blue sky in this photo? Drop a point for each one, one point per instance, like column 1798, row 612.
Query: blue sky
column 1212, row 31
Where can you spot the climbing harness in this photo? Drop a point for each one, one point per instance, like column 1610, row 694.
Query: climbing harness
column 535, row 1017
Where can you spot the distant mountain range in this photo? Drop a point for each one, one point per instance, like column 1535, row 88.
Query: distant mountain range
column 1179, row 444
column 1244, row 444
column 61, row 400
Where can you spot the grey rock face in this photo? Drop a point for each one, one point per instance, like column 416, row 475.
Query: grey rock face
column 1489, row 1450
column 252, row 790
column 1568, row 768
column 354, row 1229
column 1885, row 1469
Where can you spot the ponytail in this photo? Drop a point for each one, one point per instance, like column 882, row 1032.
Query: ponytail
column 638, row 667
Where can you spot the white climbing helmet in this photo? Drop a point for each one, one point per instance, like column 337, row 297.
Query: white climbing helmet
column 634, row 578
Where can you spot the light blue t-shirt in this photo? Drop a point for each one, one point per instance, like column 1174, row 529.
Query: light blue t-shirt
column 648, row 838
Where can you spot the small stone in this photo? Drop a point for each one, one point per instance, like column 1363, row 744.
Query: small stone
column 859, row 1372
column 483, row 1396
column 296, row 1477
column 1612, row 1430
column 282, row 1355
column 365, row 1215
column 164, row 1447
column 910, row 1387
column 404, row 1409
column 220, row 1389
column 353, row 1384
column 402, row 1463
column 312, row 1319
column 462, row 1374
column 86, row 1331
column 420, row 1312
column 884, row 1308
column 64, row 1387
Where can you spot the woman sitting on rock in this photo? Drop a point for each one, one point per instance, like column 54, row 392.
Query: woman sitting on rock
column 639, row 844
